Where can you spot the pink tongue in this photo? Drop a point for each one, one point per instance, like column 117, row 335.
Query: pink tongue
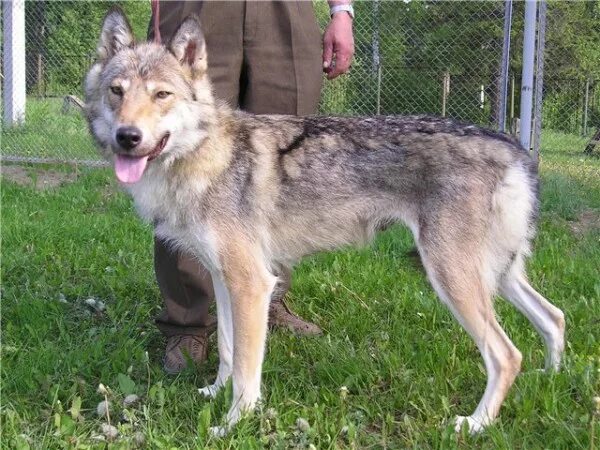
column 130, row 169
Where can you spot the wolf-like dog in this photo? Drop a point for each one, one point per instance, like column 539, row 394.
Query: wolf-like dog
column 249, row 195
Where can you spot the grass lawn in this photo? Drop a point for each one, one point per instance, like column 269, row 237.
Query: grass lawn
column 406, row 364
column 49, row 133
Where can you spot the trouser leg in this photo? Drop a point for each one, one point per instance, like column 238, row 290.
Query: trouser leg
column 187, row 291
column 280, row 76
column 185, row 284
column 282, row 58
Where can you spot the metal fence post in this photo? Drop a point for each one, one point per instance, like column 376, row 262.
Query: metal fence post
column 527, row 77
column 512, row 102
column 376, row 54
column 445, row 91
column 539, row 80
column 378, row 90
column 586, row 106
column 13, row 16
column 504, row 65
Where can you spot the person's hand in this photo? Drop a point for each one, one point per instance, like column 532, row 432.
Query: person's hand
column 338, row 45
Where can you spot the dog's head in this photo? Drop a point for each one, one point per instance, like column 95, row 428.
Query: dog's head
column 148, row 103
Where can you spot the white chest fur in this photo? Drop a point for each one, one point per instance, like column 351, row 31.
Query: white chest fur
column 174, row 209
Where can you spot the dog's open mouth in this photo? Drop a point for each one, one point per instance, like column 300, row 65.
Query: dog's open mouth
column 129, row 169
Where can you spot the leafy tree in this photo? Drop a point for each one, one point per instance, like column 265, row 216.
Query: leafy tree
column 65, row 35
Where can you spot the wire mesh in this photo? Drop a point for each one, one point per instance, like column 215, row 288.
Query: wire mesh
column 412, row 57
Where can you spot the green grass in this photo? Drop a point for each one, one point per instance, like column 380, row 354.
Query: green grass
column 49, row 133
column 406, row 363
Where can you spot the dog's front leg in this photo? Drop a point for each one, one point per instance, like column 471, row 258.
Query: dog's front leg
column 250, row 285
column 224, row 337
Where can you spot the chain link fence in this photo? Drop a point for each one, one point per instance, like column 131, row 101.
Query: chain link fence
column 412, row 57
column 421, row 57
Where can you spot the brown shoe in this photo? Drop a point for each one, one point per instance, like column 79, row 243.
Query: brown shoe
column 184, row 348
column 281, row 316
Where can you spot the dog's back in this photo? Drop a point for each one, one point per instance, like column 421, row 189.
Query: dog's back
column 321, row 182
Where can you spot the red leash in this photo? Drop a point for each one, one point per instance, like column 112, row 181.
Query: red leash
column 156, row 14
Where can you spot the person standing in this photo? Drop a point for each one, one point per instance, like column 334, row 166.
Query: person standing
column 264, row 57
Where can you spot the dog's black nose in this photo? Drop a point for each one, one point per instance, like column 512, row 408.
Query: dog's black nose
column 129, row 137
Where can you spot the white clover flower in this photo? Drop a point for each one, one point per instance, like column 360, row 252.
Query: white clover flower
column 96, row 305
column 270, row 413
column 139, row 438
column 102, row 389
column 343, row 392
column 130, row 400
column 109, row 431
column 102, row 408
column 302, row 424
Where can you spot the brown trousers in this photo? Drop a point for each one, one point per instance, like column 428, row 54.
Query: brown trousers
column 263, row 57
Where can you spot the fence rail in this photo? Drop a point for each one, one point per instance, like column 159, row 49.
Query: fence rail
column 412, row 57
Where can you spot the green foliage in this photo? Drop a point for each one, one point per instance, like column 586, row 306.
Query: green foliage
column 562, row 107
column 49, row 133
column 573, row 40
column 66, row 34
column 572, row 57
column 126, row 384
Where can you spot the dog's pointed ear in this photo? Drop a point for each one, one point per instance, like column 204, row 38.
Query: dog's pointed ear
column 189, row 47
column 115, row 35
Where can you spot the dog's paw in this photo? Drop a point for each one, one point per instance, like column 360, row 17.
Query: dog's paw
column 552, row 365
column 475, row 426
column 210, row 391
column 217, row 432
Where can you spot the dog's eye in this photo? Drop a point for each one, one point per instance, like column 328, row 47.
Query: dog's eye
column 163, row 94
column 117, row 90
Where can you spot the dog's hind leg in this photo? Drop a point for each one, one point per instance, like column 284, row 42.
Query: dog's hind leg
column 457, row 279
column 548, row 320
column 224, row 338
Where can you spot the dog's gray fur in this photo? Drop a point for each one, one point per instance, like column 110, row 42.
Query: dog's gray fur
column 250, row 194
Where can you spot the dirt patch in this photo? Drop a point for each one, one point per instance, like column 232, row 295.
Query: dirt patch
column 41, row 179
column 17, row 175
column 587, row 221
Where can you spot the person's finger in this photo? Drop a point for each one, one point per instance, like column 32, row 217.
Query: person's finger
column 327, row 53
column 343, row 59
